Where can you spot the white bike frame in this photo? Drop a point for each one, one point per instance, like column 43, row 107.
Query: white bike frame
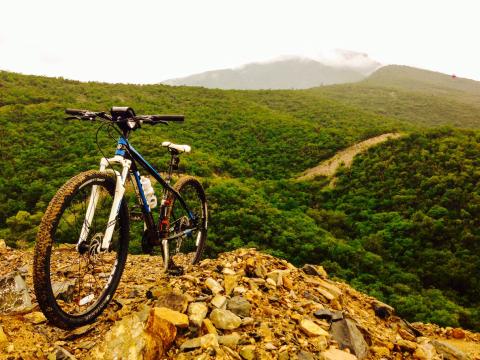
column 121, row 179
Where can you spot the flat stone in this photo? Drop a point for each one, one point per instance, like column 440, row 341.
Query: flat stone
column 239, row 290
column 448, row 351
column 382, row 310
column 209, row 341
column 208, row 327
column 230, row 282
column 160, row 334
column 314, row 270
column 406, row 345
column 276, row 276
column 176, row 318
column 62, row 354
column 230, row 340
column 332, row 289
column 206, row 341
column 78, row 332
column 126, row 336
column 228, row 271
column 14, row 294
column 190, row 344
column 287, row 283
column 336, row 354
column 170, row 299
column 213, row 285
column 225, row 319
column 219, row 301
column 247, row 352
column 265, row 332
column 328, row 315
column 35, row 317
column 197, row 311
column 3, row 337
column 270, row 346
column 347, row 335
column 64, row 290
column 312, row 329
column 239, row 306
column 458, row 333
column 381, row 351
column 305, row 355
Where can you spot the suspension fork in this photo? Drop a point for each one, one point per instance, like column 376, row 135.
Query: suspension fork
column 117, row 200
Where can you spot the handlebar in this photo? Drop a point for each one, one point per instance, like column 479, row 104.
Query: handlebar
column 178, row 118
column 145, row 119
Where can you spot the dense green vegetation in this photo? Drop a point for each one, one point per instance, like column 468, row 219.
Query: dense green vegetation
column 401, row 224
column 414, row 95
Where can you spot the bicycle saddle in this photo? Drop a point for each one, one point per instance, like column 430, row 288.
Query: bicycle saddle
column 179, row 148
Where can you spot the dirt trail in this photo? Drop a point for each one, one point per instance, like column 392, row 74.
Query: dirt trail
column 330, row 166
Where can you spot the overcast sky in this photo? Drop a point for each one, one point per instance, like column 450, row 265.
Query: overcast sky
column 148, row 41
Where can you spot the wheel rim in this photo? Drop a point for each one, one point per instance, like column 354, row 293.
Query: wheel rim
column 184, row 250
column 80, row 280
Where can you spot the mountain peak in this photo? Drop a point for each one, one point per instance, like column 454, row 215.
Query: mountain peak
column 287, row 72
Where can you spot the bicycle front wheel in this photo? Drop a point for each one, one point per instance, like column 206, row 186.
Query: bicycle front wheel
column 187, row 235
column 74, row 285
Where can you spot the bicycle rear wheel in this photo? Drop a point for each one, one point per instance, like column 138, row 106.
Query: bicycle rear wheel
column 187, row 236
column 74, row 286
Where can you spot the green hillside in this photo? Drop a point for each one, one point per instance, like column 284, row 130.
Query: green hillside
column 248, row 146
column 415, row 204
column 419, row 96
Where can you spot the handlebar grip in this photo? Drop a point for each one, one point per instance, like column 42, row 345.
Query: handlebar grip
column 75, row 111
column 168, row 117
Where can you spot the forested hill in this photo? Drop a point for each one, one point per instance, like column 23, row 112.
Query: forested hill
column 415, row 95
column 249, row 146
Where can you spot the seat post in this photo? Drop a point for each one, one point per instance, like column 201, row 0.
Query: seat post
column 174, row 161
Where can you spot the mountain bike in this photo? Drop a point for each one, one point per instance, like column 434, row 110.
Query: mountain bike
column 82, row 241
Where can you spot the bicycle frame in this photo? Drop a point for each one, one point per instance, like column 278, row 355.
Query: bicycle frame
column 128, row 157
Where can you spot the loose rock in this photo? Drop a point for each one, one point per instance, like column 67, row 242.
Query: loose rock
column 312, row 329
column 176, row 318
column 239, row 306
column 213, row 285
column 225, row 319
column 197, row 312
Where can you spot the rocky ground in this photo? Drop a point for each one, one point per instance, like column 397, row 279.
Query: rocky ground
column 242, row 305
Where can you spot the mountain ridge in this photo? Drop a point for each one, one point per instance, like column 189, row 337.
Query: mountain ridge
column 283, row 73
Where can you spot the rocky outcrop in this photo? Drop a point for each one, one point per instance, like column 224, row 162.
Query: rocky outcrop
column 242, row 305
